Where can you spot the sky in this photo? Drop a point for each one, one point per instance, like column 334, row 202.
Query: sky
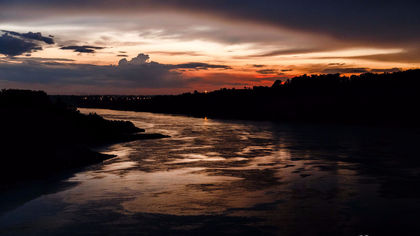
column 174, row 46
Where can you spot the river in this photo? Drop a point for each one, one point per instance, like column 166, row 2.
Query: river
column 214, row 177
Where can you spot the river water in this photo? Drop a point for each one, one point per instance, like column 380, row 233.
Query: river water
column 215, row 177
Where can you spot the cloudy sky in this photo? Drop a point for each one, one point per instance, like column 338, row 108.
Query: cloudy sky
column 174, row 46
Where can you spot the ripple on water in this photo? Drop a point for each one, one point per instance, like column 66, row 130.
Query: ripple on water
column 287, row 178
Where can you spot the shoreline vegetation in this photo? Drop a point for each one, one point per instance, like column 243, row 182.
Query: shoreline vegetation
column 41, row 137
column 42, row 134
column 389, row 99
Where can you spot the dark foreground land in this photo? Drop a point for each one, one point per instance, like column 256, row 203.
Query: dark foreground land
column 39, row 137
column 384, row 99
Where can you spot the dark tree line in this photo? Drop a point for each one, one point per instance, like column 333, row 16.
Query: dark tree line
column 40, row 137
column 390, row 98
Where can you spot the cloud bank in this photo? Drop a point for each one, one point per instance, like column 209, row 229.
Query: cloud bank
column 138, row 72
column 82, row 49
column 374, row 20
column 14, row 43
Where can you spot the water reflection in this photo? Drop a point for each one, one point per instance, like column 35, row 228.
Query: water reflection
column 216, row 176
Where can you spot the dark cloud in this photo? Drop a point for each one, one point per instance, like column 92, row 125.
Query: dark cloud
column 82, row 49
column 138, row 72
column 330, row 24
column 272, row 71
column 144, row 59
column 129, row 75
column 339, row 70
column 199, row 66
column 385, row 70
column 140, row 59
column 35, row 36
column 135, row 73
column 11, row 46
column 336, row 64
column 258, row 66
column 14, row 43
column 374, row 20
column 34, row 59
column 122, row 55
column 267, row 71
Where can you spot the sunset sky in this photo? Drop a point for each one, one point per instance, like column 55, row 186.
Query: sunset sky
column 174, row 46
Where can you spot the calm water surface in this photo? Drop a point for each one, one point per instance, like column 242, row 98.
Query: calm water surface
column 231, row 177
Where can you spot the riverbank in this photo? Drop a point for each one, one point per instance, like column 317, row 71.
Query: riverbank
column 40, row 138
column 385, row 100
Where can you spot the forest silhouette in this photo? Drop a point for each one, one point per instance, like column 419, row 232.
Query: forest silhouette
column 389, row 98
column 43, row 134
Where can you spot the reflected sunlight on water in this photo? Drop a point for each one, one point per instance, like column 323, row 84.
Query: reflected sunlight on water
column 273, row 178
